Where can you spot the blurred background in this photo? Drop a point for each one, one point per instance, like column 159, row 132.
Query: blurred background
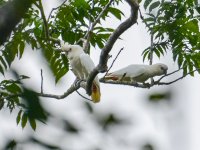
column 127, row 118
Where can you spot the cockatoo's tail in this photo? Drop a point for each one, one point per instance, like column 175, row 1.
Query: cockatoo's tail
column 95, row 93
column 82, row 65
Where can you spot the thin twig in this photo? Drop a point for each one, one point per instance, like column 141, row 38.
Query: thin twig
column 151, row 50
column 151, row 55
column 167, row 83
column 168, row 74
column 114, row 61
column 82, row 96
column 53, row 9
column 78, row 83
column 41, row 81
column 141, row 16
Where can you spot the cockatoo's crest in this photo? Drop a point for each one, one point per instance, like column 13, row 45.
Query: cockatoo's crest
column 65, row 46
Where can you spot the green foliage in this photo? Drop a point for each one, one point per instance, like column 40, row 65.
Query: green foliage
column 111, row 120
column 70, row 23
column 11, row 145
column 70, row 128
column 175, row 27
column 157, row 97
column 148, row 147
column 8, row 89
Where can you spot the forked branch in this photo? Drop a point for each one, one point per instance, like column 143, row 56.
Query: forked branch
column 102, row 66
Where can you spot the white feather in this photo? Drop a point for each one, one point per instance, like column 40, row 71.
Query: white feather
column 138, row 72
column 81, row 63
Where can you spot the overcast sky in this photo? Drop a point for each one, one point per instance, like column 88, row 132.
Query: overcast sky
column 172, row 126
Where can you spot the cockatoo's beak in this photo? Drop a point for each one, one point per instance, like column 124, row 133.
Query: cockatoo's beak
column 165, row 72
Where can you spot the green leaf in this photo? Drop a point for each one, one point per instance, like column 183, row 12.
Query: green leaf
column 61, row 73
column 157, row 52
column 147, row 3
column 198, row 9
column 150, row 19
column 145, row 53
column 11, row 145
column 154, row 5
column 116, row 12
column 21, row 49
column 24, row 120
column 3, row 62
column 32, row 123
column 23, row 77
column 18, row 117
column 1, row 70
column 180, row 60
column 13, row 88
column 160, row 49
column 81, row 3
column 1, row 103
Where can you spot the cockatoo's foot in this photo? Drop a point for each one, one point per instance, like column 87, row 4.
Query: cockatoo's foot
column 78, row 82
column 134, row 83
column 147, row 85
column 82, row 83
column 152, row 82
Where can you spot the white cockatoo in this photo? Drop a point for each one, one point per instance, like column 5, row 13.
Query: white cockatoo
column 137, row 72
column 82, row 65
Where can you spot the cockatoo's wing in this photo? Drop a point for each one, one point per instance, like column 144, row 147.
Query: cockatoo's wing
column 87, row 67
column 127, row 73
column 134, row 70
column 87, row 64
column 137, row 72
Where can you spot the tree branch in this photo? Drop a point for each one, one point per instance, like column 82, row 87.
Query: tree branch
column 168, row 83
column 41, row 73
column 102, row 66
column 11, row 13
column 74, row 87
column 147, row 85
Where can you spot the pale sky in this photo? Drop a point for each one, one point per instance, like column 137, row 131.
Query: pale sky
column 171, row 126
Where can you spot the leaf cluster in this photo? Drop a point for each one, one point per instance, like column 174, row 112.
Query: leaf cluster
column 69, row 22
column 175, row 27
